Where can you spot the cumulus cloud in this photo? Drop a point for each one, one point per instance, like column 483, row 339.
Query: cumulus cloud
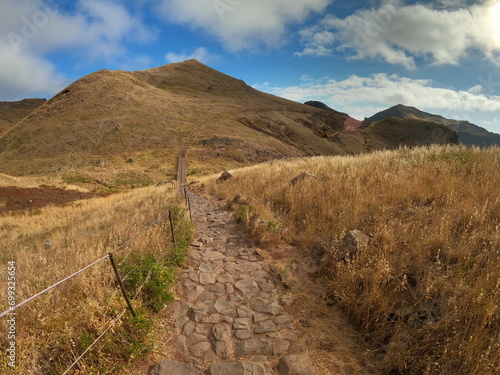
column 440, row 33
column 30, row 30
column 241, row 24
column 24, row 74
column 363, row 96
column 201, row 54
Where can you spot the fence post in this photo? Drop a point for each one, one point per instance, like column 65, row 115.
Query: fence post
column 120, row 282
column 189, row 208
column 171, row 226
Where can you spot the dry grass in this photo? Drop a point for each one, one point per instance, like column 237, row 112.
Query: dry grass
column 426, row 289
column 55, row 242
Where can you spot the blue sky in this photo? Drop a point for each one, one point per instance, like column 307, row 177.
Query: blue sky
column 358, row 57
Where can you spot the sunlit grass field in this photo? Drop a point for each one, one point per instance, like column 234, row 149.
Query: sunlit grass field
column 49, row 244
column 425, row 291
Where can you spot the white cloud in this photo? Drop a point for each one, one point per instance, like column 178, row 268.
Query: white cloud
column 32, row 29
column 241, row 24
column 23, row 74
column 398, row 33
column 201, row 54
column 363, row 96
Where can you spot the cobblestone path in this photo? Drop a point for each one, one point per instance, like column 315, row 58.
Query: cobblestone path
column 229, row 316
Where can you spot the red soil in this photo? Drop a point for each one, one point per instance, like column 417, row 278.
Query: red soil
column 352, row 124
column 15, row 199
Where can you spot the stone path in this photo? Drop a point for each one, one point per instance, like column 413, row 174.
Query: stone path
column 229, row 316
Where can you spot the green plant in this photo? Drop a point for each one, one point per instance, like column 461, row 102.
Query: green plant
column 244, row 213
column 151, row 278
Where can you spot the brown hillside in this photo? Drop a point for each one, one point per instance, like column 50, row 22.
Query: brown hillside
column 113, row 116
column 13, row 112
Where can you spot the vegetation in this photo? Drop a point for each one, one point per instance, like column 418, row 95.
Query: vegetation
column 55, row 328
column 425, row 291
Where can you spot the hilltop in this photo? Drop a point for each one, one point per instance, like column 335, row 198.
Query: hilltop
column 92, row 128
column 468, row 133
column 13, row 112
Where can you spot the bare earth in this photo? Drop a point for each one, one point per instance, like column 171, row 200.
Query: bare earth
column 20, row 199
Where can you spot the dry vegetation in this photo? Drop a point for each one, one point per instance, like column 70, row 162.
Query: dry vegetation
column 426, row 290
column 52, row 243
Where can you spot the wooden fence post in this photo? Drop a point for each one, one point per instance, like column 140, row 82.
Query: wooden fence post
column 120, row 282
column 171, row 226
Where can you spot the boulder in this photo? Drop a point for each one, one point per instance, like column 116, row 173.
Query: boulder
column 99, row 163
column 171, row 367
column 353, row 241
column 224, row 177
column 297, row 364
column 299, row 178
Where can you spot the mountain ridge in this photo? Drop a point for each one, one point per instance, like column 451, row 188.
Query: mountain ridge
column 468, row 133
column 108, row 117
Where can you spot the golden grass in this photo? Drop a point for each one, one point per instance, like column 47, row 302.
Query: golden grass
column 426, row 290
column 56, row 327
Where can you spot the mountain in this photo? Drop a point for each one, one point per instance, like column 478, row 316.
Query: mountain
column 127, row 128
column 13, row 112
column 349, row 124
column 468, row 133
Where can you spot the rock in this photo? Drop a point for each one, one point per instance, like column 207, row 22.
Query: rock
column 98, row 163
column 251, row 346
column 239, row 368
column 207, row 278
column 223, row 340
column 267, row 326
column 221, row 305
column 241, row 323
column 296, row 365
column 207, row 267
column 247, row 287
column 305, row 323
column 199, row 349
column 171, row 367
column 48, row 244
column 130, row 160
column 272, row 308
column 224, row 177
column 353, row 241
column 299, row 178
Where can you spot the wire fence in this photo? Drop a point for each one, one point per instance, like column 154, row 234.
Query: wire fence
column 165, row 217
column 181, row 180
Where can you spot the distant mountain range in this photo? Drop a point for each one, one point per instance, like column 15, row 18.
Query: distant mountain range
column 468, row 133
column 148, row 116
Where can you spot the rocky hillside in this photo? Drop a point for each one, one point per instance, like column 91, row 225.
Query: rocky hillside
column 468, row 133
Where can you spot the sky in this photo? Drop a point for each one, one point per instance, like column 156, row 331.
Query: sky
column 357, row 57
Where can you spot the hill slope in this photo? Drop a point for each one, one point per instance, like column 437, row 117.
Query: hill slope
column 109, row 117
column 13, row 112
column 468, row 133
